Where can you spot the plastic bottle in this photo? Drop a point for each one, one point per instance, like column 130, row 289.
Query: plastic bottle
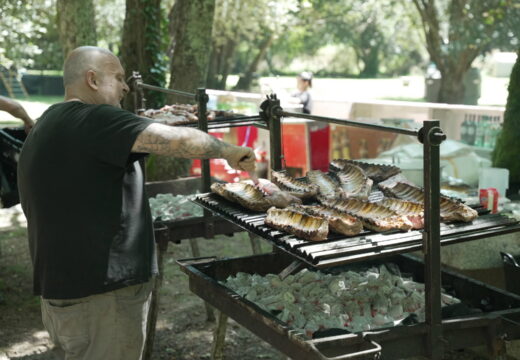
column 481, row 130
column 472, row 130
column 489, row 131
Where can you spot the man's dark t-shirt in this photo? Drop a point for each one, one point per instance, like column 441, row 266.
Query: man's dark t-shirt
column 82, row 190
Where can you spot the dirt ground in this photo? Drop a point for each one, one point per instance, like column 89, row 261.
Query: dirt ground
column 182, row 330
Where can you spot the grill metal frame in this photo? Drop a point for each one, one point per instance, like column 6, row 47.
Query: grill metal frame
column 430, row 135
column 500, row 322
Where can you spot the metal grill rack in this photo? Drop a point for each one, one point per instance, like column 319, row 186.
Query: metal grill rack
column 339, row 250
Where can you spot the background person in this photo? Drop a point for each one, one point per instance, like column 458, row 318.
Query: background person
column 89, row 223
column 304, row 83
column 16, row 109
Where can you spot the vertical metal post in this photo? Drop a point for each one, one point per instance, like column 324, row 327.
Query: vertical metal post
column 202, row 99
column 431, row 136
column 275, row 133
column 139, row 99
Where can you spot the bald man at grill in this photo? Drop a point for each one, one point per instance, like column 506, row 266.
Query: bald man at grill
column 89, row 224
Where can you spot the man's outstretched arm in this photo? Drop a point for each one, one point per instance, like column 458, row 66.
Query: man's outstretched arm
column 192, row 144
column 15, row 109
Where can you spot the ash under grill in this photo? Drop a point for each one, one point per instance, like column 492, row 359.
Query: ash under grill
column 339, row 249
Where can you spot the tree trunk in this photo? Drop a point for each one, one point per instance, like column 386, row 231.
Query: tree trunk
column 506, row 151
column 370, row 60
column 192, row 23
column 226, row 59
column 213, row 67
column 454, row 57
column 76, row 24
column 451, row 90
column 142, row 48
column 244, row 83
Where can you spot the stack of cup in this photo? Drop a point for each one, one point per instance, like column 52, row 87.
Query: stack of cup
column 492, row 184
column 497, row 178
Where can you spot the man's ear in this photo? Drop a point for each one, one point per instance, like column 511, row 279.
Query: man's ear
column 91, row 78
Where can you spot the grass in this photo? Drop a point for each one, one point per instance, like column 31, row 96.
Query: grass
column 47, row 99
column 45, row 72
column 397, row 98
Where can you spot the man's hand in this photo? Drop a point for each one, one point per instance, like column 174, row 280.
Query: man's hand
column 28, row 124
column 240, row 158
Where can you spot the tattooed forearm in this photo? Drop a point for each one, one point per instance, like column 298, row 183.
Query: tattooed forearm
column 179, row 142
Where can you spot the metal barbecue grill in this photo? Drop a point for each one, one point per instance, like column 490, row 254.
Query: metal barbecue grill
column 430, row 338
column 338, row 249
column 500, row 311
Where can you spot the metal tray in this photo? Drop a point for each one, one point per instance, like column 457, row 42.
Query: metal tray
column 499, row 319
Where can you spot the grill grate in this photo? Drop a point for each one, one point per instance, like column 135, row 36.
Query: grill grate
column 339, row 249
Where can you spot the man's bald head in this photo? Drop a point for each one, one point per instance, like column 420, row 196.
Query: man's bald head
column 81, row 60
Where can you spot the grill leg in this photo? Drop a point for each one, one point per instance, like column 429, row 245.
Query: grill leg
column 219, row 337
column 162, row 247
column 196, row 253
column 255, row 243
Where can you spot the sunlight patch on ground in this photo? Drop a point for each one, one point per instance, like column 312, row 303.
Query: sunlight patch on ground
column 33, row 108
column 38, row 343
column 11, row 218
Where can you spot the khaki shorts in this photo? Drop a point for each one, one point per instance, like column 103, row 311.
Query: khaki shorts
column 111, row 325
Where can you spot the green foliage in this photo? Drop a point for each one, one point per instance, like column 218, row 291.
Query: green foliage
column 367, row 38
column 28, row 34
column 507, row 148
column 155, row 35
column 240, row 28
column 110, row 16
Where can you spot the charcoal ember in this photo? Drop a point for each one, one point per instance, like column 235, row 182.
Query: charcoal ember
column 320, row 304
column 166, row 207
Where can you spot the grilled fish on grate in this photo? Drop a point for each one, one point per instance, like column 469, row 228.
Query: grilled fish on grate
column 328, row 187
column 294, row 187
column 339, row 221
column 377, row 172
column 373, row 216
column 273, row 194
column 412, row 210
column 354, row 182
column 451, row 210
column 246, row 195
column 297, row 223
